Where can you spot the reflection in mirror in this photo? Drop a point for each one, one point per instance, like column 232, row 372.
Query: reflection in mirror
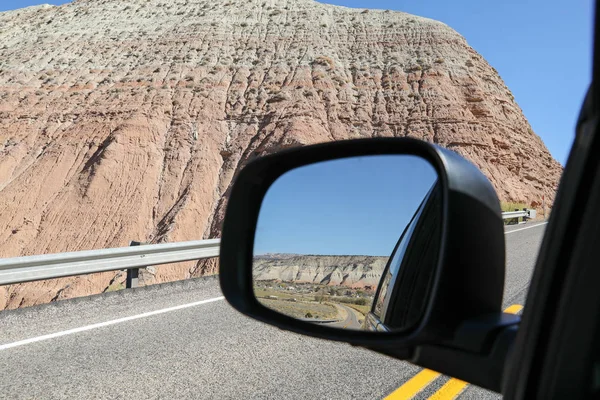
column 325, row 234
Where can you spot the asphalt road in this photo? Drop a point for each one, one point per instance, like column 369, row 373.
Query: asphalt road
column 350, row 321
column 143, row 348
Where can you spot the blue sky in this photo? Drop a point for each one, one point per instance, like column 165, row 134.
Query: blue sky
column 356, row 205
column 12, row 4
column 541, row 48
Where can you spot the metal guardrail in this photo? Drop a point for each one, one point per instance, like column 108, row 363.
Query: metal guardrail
column 525, row 214
column 514, row 214
column 48, row 266
column 138, row 255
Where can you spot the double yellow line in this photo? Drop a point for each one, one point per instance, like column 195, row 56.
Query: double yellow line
column 420, row 381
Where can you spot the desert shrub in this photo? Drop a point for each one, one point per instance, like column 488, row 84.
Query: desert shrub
column 361, row 301
column 278, row 97
column 321, row 298
column 511, row 206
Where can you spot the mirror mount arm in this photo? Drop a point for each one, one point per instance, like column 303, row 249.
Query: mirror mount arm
column 485, row 369
column 477, row 335
column 397, row 352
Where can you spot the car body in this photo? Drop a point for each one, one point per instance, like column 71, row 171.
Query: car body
column 408, row 273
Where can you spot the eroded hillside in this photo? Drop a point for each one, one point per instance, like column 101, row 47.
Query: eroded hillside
column 127, row 120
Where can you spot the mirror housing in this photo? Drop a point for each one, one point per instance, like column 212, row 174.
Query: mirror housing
column 468, row 283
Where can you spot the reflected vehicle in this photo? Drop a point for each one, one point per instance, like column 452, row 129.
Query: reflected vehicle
column 400, row 298
column 321, row 248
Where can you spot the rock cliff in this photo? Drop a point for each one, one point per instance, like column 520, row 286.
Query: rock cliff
column 127, row 120
column 350, row 271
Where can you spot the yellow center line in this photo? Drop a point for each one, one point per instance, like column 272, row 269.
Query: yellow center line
column 514, row 309
column 450, row 390
column 454, row 387
column 414, row 385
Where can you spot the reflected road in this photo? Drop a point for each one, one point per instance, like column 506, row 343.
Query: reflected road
column 350, row 320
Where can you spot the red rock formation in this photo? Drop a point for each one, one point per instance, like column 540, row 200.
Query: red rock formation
column 128, row 120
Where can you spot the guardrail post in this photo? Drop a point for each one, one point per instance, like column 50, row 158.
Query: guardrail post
column 516, row 219
column 132, row 280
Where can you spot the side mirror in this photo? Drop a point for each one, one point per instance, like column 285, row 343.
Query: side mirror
column 375, row 242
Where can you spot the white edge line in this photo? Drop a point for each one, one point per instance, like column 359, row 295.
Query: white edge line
column 529, row 227
column 107, row 323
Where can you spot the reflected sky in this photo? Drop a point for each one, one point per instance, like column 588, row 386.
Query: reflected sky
column 350, row 206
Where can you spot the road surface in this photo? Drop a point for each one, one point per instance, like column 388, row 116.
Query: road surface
column 350, row 321
column 180, row 341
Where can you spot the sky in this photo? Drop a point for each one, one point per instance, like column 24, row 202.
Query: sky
column 6, row 5
column 541, row 48
column 351, row 206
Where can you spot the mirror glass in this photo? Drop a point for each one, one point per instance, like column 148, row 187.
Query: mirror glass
column 350, row 243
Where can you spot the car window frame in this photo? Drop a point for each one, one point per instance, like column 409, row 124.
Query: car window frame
column 550, row 329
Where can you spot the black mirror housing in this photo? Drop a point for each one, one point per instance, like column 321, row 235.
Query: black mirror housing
column 467, row 285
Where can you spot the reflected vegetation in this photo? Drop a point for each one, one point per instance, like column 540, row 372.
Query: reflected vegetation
column 336, row 290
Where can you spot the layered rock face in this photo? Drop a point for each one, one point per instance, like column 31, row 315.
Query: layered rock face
column 350, row 271
column 128, row 120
